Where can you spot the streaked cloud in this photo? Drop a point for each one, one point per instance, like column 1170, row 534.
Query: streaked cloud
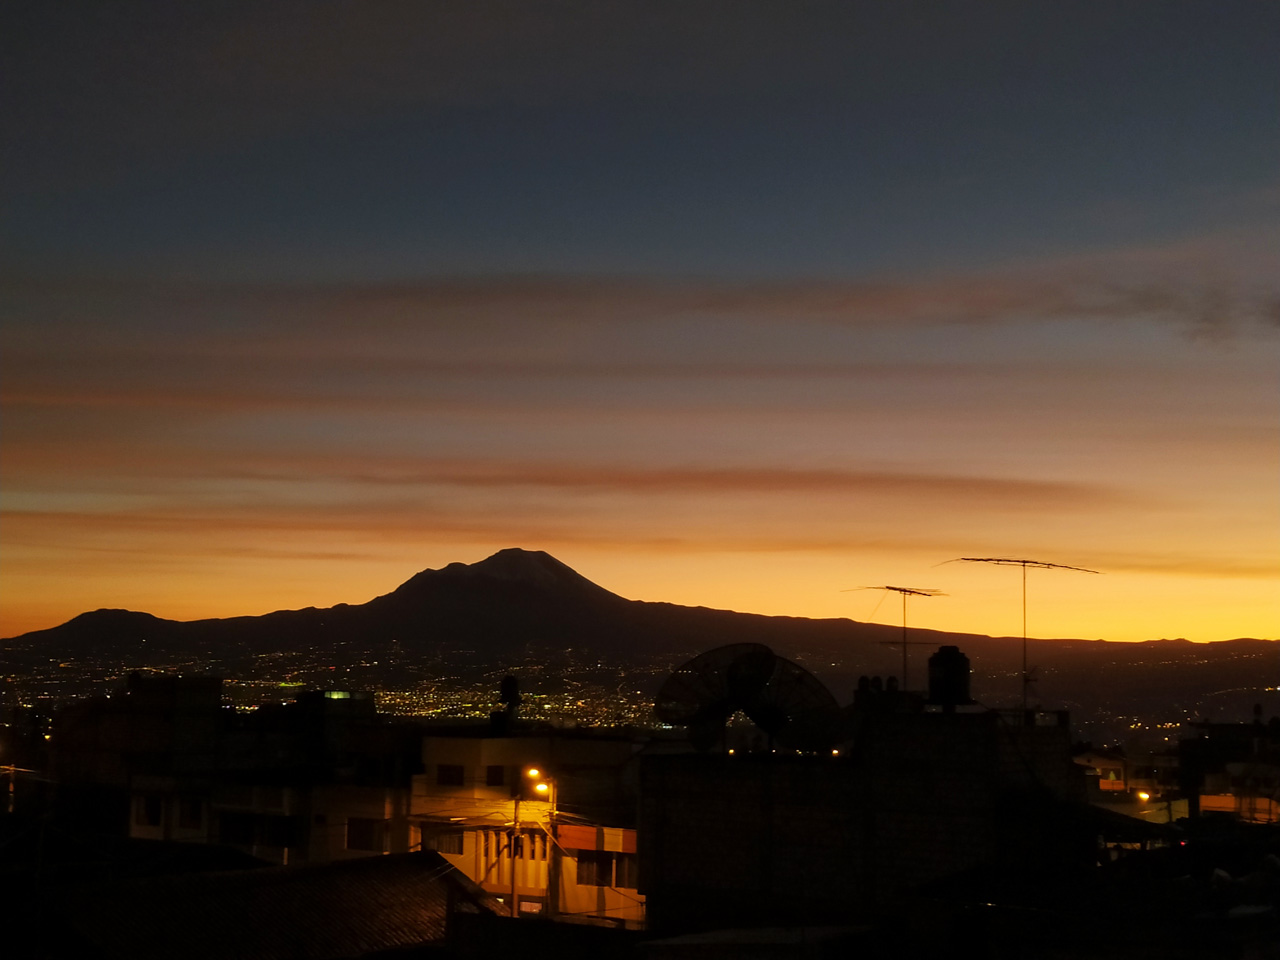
column 303, row 296
column 1216, row 280
column 637, row 480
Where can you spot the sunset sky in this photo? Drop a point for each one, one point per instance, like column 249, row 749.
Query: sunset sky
column 732, row 304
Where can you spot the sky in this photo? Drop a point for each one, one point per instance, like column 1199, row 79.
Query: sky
column 734, row 304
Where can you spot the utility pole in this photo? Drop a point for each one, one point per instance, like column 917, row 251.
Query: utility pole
column 553, row 862
column 513, row 845
column 546, row 787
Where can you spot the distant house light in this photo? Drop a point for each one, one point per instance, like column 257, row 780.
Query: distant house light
column 337, row 695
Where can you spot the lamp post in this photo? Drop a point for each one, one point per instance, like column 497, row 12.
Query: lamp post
column 511, row 843
column 544, row 788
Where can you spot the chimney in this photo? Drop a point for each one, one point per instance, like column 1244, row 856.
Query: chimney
column 949, row 679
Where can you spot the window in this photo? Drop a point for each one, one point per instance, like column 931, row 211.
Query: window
column 595, row 868
column 235, row 828
column 625, row 871
column 495, row 775
column 190, row 813
column 447, row 843
column 449, row 775
column 149, row 811
column 366, row 834
column 602, row 868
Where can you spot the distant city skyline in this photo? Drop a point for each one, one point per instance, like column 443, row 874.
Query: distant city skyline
column 725, row 304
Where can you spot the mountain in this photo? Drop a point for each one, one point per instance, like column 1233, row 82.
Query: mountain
column 526, row 607
column 497, row 607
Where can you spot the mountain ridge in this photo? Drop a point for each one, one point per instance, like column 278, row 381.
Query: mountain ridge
column 525, row 570
column 519, row 609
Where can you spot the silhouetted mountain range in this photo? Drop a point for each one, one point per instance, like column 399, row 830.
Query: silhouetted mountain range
column 499, row 607
column 520, row 604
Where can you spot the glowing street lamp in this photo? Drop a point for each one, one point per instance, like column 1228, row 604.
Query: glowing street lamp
column 542, row 785
column 544, row 788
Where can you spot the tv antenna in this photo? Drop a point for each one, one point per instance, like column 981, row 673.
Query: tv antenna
column 906, row 592
column 1038, row 565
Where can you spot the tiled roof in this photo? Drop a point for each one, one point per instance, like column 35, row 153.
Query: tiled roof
column 325, row 912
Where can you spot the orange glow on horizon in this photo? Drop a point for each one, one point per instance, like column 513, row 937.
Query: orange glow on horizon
column 1199, row 607
column 757, row 449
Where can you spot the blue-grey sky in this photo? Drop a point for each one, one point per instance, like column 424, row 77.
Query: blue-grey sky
column 734, row 139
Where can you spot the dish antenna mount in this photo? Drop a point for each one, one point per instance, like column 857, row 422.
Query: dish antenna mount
column 782, row 698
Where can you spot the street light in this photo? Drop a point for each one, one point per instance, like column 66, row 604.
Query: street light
column 544, row 788
column 542, row 785
column 532, row 776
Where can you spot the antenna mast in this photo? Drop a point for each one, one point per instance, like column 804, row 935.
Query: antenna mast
column 906, row 592
column 1039, row 565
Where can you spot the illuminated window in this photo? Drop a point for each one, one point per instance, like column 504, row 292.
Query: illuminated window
column 449, row 775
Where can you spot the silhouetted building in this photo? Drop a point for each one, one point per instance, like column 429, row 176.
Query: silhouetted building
column 1233, row 768
column 907, row 797
column 163, row 759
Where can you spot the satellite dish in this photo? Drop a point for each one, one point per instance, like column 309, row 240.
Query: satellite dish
column 782, row 698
